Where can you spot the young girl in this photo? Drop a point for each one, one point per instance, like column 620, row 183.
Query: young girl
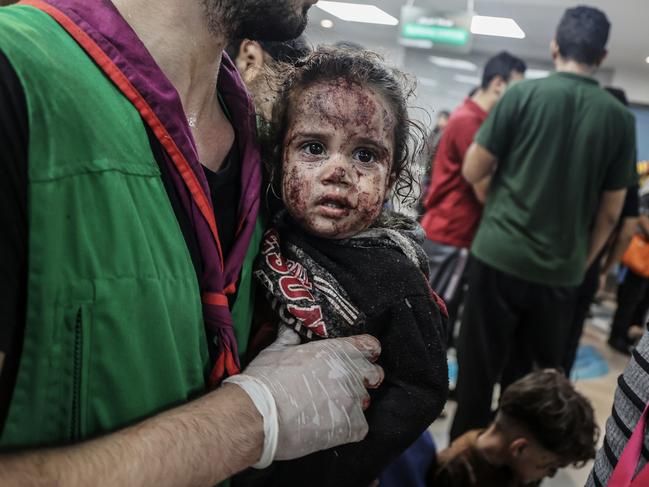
column 335, row 263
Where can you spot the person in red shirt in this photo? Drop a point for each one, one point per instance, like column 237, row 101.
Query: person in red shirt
column 452, row 206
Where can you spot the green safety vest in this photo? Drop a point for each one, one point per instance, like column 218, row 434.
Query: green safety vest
column 114, row 330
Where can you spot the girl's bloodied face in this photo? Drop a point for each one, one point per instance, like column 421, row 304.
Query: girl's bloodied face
column 337, row 159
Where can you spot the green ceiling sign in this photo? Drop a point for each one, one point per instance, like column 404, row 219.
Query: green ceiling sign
column 454, row 36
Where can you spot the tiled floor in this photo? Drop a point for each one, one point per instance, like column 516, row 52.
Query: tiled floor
column 599, row 391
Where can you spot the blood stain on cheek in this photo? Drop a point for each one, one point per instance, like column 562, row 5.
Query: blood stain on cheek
column 369, row 205
column 296, row 190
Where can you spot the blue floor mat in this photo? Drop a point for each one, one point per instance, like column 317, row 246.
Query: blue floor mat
column 589, row 364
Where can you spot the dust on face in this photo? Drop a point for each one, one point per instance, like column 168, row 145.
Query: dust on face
column 337, row 158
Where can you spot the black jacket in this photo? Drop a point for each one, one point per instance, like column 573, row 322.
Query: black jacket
column 401, row 311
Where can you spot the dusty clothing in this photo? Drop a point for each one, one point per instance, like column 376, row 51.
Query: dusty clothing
column 463, row 465
column 371, row 283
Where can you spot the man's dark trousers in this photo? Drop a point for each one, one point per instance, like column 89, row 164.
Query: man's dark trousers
column 503, row 312
column 632, row 301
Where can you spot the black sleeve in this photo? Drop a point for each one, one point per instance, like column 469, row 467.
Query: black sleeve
column 13, row 222
column 411, row 397
column 631, row 203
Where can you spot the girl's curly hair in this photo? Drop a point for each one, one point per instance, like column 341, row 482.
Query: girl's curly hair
column 361, row 67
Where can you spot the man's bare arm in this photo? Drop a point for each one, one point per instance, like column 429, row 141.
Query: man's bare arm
column 643, row 224
column 608, row 214
column 198, row 444
column 481, row 188
column 211, row 438
column 620, row 244
column 479, row 163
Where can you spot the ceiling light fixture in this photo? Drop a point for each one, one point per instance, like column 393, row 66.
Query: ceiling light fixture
column 647, row 59
column 450, row 63
column 326, row 23
column 356, row 12
column 496, row 26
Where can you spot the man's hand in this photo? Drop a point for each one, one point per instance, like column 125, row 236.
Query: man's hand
column 608, row 214
column 319, row 390
column 620, row 240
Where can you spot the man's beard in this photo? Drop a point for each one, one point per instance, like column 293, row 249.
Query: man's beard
column 262, row 20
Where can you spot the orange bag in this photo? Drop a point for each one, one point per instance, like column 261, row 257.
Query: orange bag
column 636, row 256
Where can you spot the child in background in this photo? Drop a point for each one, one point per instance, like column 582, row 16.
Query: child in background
column 335, row 263
column 542, row 425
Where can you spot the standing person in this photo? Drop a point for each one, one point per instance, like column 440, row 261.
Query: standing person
column 453, row 207
column 632, row 294
column 254, row 59
column 428, row 155
column 560, row 151
column 440, row 125
column 120, row 283
column 432, row 141
column 610, row 255
column 596, row 274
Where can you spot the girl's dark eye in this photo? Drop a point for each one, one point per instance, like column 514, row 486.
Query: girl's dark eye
column 314, row 148
column 365, row 156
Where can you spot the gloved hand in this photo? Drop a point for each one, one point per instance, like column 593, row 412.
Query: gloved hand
column 311, row 396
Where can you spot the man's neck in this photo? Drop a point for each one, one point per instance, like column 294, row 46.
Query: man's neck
column 177, row 35
column 491, row 444
column 484, row 99
column 570, row 66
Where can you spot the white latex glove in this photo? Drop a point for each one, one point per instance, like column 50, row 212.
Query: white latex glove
column 318, row 390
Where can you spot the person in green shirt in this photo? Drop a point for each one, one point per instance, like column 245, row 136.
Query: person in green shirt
column 559, row 152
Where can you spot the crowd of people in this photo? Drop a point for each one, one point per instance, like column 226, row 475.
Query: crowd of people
column 203, row 281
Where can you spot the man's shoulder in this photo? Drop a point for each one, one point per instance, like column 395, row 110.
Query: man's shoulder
column 21, row 20
column 616, row 108
column 532, row 89
column 459, row 446
column 456, row 464
column 549, row 86
column 463, row 118
column 30, row 37
column 462, row 112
